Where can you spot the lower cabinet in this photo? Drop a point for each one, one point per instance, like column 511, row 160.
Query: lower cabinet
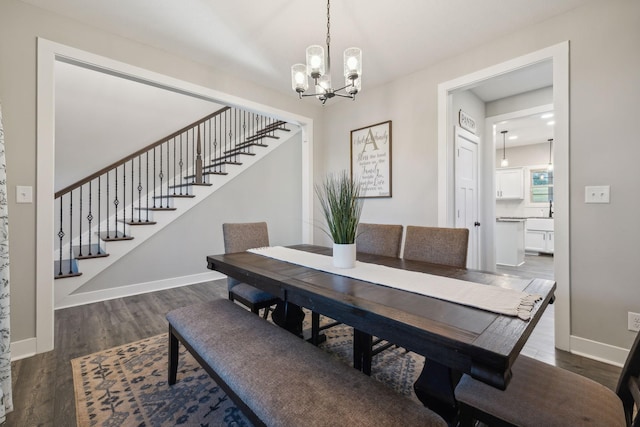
column 539, row 235
column 539, row 241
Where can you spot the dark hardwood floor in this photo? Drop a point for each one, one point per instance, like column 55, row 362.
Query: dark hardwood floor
column 43, row 384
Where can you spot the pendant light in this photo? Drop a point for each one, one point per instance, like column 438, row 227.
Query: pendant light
column 550, row 165
column 504, row 163
column 318, row 68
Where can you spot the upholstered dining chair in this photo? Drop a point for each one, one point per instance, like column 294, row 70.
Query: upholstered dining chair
column 376, row 239
column 543, row 395
column 379, row 239
column 437, row 245
column 238, row 237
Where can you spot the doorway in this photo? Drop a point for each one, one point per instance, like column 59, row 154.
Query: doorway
column 526, row 150
column 559, row 57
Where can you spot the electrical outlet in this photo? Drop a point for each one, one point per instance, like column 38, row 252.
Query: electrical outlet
column 634, row 322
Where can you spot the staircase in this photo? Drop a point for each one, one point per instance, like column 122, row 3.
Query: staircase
column 107, row 214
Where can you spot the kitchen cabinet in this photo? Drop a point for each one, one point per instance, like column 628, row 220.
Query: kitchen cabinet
column 539, row 235
column 509, row 184
column 510, row 241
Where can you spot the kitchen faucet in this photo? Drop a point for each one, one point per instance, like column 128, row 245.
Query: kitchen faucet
column 550, row 209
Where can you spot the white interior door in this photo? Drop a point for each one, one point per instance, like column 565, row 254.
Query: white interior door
column 466, row 191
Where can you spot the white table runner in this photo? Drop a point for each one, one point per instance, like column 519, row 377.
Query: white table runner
column 486, row 297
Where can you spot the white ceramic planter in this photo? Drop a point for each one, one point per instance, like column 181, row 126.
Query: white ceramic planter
column 344, row 256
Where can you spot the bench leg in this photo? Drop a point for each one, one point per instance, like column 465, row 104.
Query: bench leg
column 173, row 356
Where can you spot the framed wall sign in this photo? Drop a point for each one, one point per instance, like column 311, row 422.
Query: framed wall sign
column 371, row 159
column 466, row 122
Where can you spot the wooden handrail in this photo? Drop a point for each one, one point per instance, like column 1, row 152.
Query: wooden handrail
column 136, row 154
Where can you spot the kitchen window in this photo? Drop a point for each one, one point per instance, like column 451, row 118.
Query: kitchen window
column 541, row 186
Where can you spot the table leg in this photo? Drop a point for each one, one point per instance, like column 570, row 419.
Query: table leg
column 362, row 351
column 435, row 389
column 288, row 316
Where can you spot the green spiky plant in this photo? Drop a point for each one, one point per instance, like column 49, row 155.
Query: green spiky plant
column 341, row 204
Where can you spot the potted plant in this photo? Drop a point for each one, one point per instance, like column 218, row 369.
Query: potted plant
column 341, row 204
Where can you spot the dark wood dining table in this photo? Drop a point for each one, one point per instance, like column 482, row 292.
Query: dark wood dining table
column 454, row 338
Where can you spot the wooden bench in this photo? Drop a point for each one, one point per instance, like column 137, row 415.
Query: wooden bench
column 277, row 379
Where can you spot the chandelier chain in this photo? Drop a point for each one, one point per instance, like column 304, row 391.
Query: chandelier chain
column 328, row 24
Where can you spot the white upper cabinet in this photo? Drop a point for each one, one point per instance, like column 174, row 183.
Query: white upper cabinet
column 509, row 183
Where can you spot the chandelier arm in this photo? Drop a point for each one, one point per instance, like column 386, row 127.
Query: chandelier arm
column 343, row 87
column 344, row 95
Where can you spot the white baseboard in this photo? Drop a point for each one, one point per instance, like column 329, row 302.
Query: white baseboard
column 598, row 351
column 23, row 349
column 136, row 289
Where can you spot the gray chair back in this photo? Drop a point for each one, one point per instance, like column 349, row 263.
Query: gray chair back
column 379, row 239
column 238, row 237
column 437, row 245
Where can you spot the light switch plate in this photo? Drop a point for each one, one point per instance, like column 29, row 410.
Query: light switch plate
column 596, row 194
column 24, row 194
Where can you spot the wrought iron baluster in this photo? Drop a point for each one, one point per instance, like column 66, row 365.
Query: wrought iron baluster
column 124, row 202
column 108, row 203
column 154, row 177
column 180, row 163
column 116, row 202
column 169, row 169
column 161, row 176
column 229, row 140
column 99, row 206
column 70, row 232
column 60, row 237
column 244, row 126
column 139, row 189
column 80, row 224
column 90, row 216
column 147, row 193
column 193, row 149
column 132, row 188
column 174, row 164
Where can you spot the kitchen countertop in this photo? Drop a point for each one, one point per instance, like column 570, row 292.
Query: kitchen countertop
column 520, row 218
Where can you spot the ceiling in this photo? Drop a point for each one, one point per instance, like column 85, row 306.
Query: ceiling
column 534, row 129
column 260, row 40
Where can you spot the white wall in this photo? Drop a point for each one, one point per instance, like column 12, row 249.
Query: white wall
column 604, row 63
column 520, row 102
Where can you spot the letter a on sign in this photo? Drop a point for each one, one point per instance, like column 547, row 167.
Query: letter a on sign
column 369, row 140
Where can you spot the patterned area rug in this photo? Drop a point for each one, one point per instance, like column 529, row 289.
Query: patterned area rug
column 127, row 385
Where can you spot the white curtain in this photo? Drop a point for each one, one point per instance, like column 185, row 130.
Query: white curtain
column 6, row 400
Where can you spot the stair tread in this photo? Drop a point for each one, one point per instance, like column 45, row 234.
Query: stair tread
column 69, row 268
column 156, row 209
column 114, row 236
column 137, row 222
column 168, row 196
column 89, row 251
